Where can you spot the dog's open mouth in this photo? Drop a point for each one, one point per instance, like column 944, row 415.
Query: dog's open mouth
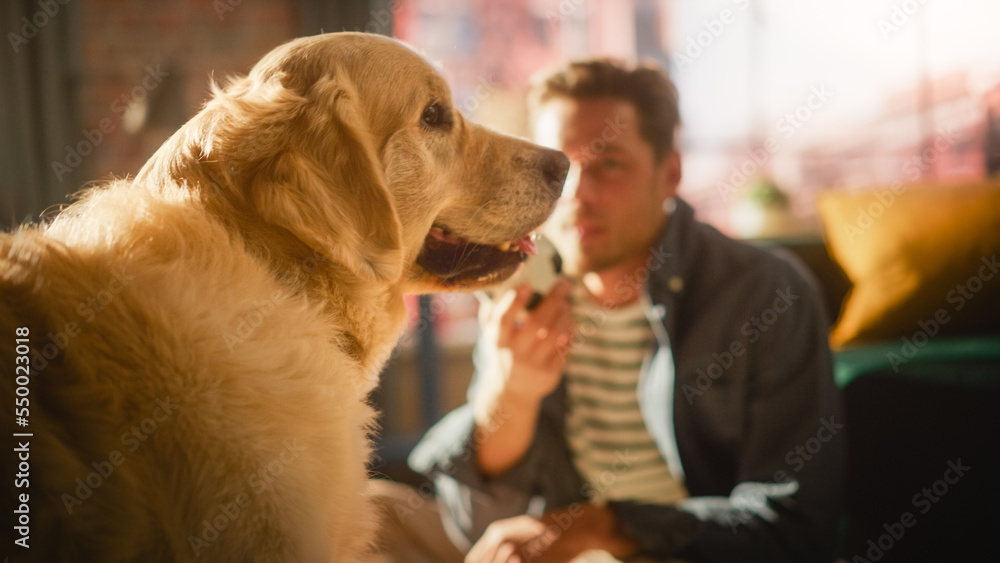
column 457, row 261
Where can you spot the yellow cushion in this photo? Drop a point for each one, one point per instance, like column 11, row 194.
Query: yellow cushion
column 922, row 259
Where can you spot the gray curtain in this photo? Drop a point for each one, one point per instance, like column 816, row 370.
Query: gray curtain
column 326, row 16
column 39, row 108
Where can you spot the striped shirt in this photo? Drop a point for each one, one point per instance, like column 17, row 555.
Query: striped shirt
column 611, row 447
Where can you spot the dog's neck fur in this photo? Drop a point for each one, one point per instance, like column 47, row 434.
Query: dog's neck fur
column 368, row 334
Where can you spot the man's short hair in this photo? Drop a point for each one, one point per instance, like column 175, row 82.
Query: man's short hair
column 646, row 86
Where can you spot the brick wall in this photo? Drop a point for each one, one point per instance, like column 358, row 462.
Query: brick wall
column 160, row 56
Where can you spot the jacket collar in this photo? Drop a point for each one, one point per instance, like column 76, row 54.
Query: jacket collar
column 671, row 262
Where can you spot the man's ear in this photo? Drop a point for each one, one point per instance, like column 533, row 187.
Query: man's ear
column 327, row 187
column 671, row 174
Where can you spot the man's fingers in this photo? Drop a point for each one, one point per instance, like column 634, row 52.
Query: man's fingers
column 506, row 553
column 554, row 304
column 503, row 538
column 511, row 309
column 483, row 550
column 522, row 328
column 554, row 324
column 542, row 323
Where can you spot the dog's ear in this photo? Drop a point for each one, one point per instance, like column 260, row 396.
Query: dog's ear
column 327, row 187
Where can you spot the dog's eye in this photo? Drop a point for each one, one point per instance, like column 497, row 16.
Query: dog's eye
column 436, row 117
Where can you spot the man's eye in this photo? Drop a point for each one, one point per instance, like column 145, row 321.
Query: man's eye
column 436, row 117
column 611, row 164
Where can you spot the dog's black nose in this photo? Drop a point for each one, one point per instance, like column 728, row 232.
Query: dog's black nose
column 555, row 166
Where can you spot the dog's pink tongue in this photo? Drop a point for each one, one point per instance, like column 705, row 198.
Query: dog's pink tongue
column 527, row 245
column 439, row 234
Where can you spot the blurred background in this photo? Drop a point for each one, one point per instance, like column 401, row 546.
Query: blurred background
column 801, row 95
column 781, row 100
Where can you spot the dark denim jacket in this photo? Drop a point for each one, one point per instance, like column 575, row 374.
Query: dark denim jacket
column 738, row 394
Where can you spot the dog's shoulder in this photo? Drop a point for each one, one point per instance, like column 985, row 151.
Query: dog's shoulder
column 159, row 335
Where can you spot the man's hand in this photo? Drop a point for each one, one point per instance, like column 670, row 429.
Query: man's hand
column 531, row 351
column 558, row 537
column 503, row 540
column 532, row 344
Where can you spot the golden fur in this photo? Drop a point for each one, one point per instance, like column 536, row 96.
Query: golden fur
column 204, row 337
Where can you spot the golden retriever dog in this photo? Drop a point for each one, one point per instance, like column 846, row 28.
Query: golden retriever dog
column 194, row 348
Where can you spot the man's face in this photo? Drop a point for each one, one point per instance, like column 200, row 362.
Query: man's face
column 612, row 204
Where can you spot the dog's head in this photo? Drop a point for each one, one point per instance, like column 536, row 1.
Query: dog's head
column 351, row 143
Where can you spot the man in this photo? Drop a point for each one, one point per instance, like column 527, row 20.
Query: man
column 674, row 400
